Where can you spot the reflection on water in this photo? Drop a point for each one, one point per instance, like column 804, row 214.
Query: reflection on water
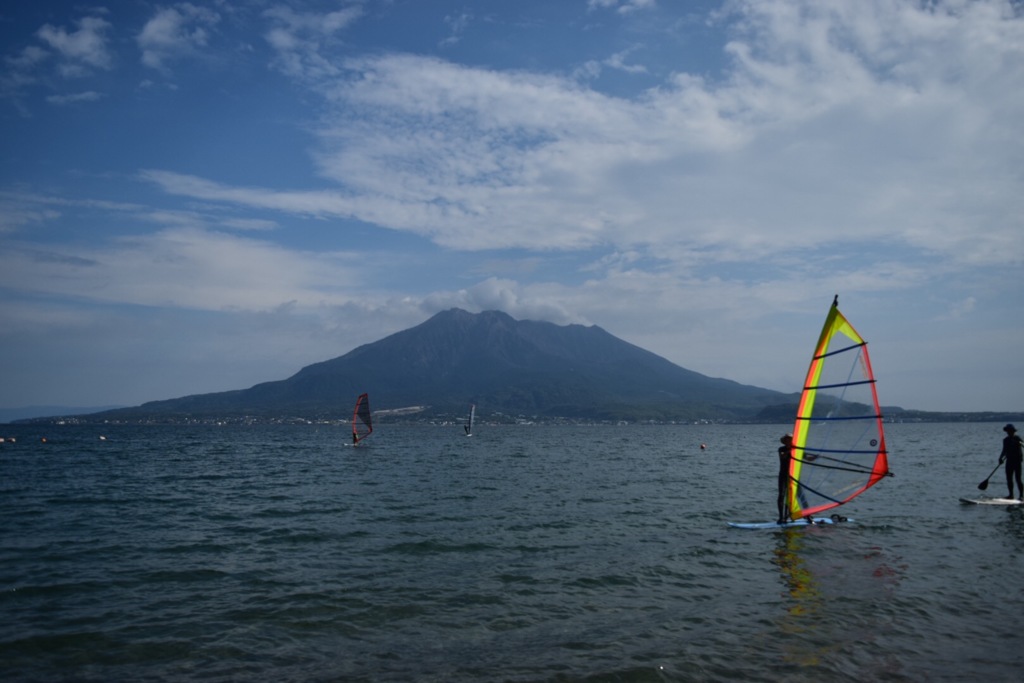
column 1013, row 522
column 838, row 600
column 804, row 603
column 800, row 582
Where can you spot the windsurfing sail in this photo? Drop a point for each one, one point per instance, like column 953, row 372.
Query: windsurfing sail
column 469, row 422
column 362, row 424
column 838, row 439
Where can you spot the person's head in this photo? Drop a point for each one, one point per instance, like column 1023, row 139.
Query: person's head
column 1010, row 429
column 786, row 439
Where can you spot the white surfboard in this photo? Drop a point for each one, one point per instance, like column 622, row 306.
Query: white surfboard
column 991, row 501
column 813, row 521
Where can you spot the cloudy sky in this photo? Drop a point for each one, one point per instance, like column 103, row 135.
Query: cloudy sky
column 201, row 196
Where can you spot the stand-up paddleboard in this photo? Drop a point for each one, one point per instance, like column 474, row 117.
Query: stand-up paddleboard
column 812, row 521
column 991, row 501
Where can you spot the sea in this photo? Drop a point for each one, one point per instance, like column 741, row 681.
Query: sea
column 520, row 553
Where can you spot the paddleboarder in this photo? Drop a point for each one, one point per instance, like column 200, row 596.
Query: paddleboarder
column 1012, row 455
column 785, row 455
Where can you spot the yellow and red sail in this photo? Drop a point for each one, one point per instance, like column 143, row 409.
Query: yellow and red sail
column 838, row 439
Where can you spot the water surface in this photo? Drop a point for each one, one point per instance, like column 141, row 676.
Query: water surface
column 521, row 553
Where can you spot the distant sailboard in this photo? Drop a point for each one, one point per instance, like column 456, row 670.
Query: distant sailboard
column 362, row 423
column 469, row 421
column 838, row 438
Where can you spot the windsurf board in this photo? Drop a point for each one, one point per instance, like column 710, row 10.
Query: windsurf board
column 813, row 521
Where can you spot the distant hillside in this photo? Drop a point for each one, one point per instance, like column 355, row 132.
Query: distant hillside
column 503, row 365
column 28, row 412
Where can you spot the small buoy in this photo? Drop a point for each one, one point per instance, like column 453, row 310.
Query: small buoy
column 43, row 439
column 703, row 446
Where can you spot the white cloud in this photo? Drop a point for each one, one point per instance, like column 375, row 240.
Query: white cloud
column 635, row 5
column 15, row 215
column 458, row 24
column 618, row 61
column 183, row 267
column 249, row 224
column 85, row 46
column 498, row 294
column 175, row 32
column 817, row 137
column 301, row 38
column 621, row 6
column 27, row 59
column 592, row 68
column 74, row 98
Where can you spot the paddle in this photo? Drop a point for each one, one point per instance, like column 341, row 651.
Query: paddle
column 984, row 485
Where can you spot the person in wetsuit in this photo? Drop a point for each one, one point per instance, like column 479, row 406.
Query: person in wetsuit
column 1012, row 455
column 785, row 455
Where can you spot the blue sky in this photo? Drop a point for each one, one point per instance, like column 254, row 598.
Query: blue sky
column 197, row 197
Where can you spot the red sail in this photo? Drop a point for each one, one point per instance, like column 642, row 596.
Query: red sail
column 362, row 424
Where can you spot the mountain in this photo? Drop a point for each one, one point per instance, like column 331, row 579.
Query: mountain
column 514, row 367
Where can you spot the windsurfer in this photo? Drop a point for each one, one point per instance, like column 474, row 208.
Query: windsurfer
column 1012, row 455
column 785, row 456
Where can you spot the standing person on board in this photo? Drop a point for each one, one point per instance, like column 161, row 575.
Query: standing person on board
column 785, row 455
column 1012, row 455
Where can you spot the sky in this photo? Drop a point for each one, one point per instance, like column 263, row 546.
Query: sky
column 203, row 196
